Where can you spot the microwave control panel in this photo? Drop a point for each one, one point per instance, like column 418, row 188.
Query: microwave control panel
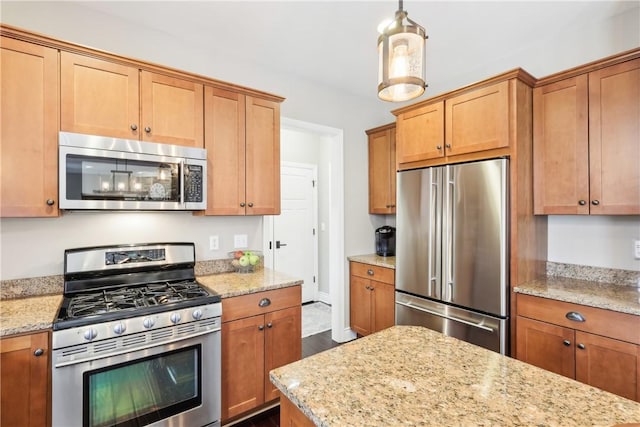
column 193, row 183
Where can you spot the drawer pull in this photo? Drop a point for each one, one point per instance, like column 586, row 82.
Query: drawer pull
column 370, row 272
column 269, row 325
column 581, row 346
column 261, row 327
column 264, row 302
column 39, row 352
column 566, row 342
column 575, row 316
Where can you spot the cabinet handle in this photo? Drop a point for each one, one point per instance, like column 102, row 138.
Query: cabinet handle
column 134, row 126
column 370, row 272
column 438, row 147
column 147, row 129
column 51, row 202
column 250, row 204
column 261, row 328
column 264, row 302
column 575, row 316
column 566, row 342
column 582, row 202
column 448, row 145
column 39, row 352
column 242, row 204
column 595, row 202
column 269, row 325
column 581, row 346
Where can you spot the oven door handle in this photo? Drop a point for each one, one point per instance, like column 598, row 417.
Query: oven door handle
column 130, row 349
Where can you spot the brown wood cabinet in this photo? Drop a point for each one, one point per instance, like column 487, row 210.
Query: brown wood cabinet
column 24, row 380
column 29, row 130
column 260, row 332
column 586, row 133
column 382, row 169
column 471, row 123
column 371, row 298
column 600, row 348
column 291, row 416
column 102, row 97
column 242, row 138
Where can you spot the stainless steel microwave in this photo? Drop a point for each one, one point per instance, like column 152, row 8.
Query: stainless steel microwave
column 103, row 173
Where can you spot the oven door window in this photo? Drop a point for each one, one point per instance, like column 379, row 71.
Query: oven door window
column 100, row 178
column 143, row 391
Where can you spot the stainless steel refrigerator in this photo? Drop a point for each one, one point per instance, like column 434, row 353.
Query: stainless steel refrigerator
column 452, row 253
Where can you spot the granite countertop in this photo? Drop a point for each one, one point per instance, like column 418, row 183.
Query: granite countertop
column 412, row 376
column 36, row 313
column 609, row 296
column 374, row 259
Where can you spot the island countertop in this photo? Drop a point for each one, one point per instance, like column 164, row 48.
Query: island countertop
column 412, row 376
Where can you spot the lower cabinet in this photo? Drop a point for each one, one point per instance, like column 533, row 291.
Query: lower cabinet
column 260, row 332
column 24, row 380
column 594, row 346
column 372, row 298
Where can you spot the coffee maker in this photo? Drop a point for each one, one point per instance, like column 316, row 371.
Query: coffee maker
column 386, row 241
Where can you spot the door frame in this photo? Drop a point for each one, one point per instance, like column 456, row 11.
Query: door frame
column 267, row 227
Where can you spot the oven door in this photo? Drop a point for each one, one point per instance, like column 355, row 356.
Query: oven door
column 176, row 384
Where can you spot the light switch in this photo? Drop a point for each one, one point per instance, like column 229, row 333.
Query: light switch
column 214, row 243
column 636, row 249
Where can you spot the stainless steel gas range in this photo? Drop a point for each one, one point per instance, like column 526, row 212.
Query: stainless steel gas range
column 136, row 340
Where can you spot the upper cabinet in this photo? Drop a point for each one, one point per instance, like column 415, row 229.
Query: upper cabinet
column 477, row 121
column 29, row 135
column 242, row 138
column 108, row 98
column 586, row 133
column 382, row 169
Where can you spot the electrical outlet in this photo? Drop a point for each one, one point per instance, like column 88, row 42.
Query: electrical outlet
column 240, row 241
column 636, row 249
column 214, row 243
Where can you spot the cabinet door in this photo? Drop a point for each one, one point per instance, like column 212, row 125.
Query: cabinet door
column 29, row 130
column 24, row 380
column 608, row 364
column 383, row 296
column 225, row 144
column 283, row 344
column 360, row 305
column 98, row 97
column 381, row 173
column 420, row 134
column 614, row 132
column 477, row 120
column 545, row 345
column 242, row 365
column 561, row 147
column 172, row 110
column 262, row 157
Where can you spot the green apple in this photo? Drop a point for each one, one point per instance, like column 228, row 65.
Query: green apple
column 244, row 260
column 253, row 259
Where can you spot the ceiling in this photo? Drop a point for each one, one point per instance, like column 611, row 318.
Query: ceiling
column 333, row 43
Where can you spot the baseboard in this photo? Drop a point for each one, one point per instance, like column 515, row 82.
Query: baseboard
column 346, row 335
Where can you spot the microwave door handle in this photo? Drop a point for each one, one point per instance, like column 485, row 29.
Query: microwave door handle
column 182, row 173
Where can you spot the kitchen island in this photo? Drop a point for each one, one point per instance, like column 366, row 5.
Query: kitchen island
column 412, row 376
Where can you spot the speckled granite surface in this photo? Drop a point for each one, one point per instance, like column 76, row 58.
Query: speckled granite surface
column 412, row 376
column 28, row 314
column 22, row 288
column 236, row 284
column 625, row 299
column 594, row 274
column 373, row 259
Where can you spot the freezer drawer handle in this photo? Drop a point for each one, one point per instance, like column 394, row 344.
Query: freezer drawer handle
column 575, row 316
column 466, row 322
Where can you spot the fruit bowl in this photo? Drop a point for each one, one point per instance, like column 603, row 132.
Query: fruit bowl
column 246, row 261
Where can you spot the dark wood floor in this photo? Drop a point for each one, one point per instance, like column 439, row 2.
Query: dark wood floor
column 310, row 346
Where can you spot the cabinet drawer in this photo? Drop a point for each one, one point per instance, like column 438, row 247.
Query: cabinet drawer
column 613, row 324
column 373, row 272
column 249, row 305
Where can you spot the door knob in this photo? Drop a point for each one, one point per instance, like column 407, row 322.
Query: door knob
column 147, row 129
column 50, row 202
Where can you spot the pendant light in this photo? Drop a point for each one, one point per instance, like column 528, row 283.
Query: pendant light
column 401, row 52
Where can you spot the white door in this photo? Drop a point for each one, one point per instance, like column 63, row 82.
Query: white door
column 291, row 241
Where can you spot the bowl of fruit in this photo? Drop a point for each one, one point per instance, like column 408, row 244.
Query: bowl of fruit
column 246, row 261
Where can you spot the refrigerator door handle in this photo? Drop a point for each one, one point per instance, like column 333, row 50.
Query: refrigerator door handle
column 433, row 233
column 435, row 313
column 448, row 229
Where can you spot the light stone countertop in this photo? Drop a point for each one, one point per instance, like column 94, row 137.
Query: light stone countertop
column 609, row 296
column 412, row 376
column 374, row 259
column 236, row 284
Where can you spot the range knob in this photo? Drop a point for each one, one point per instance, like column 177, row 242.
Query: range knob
column 148, row 322
column 175, row 318
column 119, row 328
column 90, row 334
column 197, row 314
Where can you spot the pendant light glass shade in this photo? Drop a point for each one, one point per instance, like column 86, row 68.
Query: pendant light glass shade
column 401, row 53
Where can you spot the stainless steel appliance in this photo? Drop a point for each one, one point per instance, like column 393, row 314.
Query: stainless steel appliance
column 136, row 340
column 386, row 241
column 452, row 258
column 97, row 172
